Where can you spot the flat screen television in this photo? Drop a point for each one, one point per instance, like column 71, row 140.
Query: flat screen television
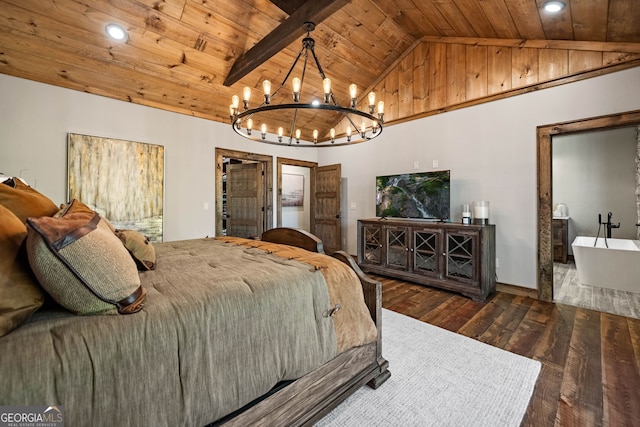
column 414, row 195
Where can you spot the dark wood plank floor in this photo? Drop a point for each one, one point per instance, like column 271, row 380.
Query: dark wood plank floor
column 590, row 360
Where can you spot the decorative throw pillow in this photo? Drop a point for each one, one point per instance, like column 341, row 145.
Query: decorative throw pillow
column 140, row 248
column 82, row 264
column 25, row 201
column 81, row 207
column 20, row 294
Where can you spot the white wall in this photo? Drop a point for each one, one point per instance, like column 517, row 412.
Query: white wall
column 491, row 152
column 595, row 173
column 35, row 119
column 489, row 148
column 298, row 216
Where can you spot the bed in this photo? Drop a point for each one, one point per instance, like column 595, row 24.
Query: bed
column 233, row 332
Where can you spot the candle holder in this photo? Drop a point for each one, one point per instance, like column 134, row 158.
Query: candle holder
column 481, row 212
column 466, row 214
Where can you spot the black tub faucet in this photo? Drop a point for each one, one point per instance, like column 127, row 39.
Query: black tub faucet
column 609, row 225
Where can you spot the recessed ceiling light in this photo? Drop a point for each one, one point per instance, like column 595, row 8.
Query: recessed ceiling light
column 554, row 6
column 116, row 32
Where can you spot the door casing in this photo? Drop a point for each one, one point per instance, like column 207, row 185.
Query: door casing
column 280, row 161
column 267, row 183
column 545, row 134
column 336, row 233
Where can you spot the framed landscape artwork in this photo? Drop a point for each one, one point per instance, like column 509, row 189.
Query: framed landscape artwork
column 292, row 190
column 121, row 180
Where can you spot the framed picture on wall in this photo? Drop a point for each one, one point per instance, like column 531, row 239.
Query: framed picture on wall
column 123, row 181
column 292, row 190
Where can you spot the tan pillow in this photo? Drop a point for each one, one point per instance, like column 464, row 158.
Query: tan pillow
column 82, row 264
column 20, row 293
column 138, row 245
column 25, row 201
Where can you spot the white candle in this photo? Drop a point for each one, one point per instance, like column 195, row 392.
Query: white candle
column 481, row 212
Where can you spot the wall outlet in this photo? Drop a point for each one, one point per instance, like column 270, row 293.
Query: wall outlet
column 354, row 206
column 497, row 263
column 416, row 164
column 205, row 206
column 434, row 163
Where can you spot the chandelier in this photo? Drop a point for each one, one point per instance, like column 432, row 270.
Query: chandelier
column 282, row 124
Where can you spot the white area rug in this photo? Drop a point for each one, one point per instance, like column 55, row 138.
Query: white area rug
column 439, row 378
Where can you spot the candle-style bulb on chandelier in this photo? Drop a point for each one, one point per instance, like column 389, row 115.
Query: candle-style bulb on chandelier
column 279, row 122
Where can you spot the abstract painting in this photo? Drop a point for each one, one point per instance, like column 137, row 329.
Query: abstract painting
column 121, row 180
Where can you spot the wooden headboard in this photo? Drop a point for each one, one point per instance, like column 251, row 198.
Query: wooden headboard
column 294, row 237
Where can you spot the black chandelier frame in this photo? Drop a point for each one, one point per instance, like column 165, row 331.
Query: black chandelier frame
column 360, row 134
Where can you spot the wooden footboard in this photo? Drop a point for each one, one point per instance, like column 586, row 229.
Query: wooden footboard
column 311, row 397
column 373, row 299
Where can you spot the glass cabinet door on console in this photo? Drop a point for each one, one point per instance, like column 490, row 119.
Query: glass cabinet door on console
column 461, row 253
column 397, row 247
column 371, row 244
column 426, row 252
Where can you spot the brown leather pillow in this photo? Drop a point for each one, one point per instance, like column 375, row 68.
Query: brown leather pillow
column 20, row 293
column 140, row 248
column 80, row 207
column 25, row 201
column 82, row 264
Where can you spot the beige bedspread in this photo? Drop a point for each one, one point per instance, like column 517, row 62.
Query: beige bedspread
column 223, row 324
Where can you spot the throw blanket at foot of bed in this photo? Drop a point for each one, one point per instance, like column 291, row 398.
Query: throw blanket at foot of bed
column 223, row 323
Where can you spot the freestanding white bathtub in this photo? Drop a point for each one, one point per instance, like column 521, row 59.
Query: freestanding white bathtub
column 615, row 267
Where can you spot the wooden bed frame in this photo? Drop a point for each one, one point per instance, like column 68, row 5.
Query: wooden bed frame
column 309, row 398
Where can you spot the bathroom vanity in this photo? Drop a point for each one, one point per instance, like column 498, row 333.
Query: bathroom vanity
column 560, row 233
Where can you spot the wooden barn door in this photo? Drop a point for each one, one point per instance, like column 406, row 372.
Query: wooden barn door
column 245, row 207
column 326, row 217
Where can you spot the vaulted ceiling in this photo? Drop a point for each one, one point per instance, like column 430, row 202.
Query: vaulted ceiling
column 419, row 55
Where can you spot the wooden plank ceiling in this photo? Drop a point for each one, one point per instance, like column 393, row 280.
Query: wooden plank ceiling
column 420, row 56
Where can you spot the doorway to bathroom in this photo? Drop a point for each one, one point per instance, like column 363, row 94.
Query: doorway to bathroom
column 566, row 178
column 594, row 192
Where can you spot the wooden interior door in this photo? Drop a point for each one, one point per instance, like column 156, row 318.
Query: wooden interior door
column 326, row 218
column 245, row 201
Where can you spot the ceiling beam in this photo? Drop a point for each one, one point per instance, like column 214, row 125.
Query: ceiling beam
column 288, row 6
column 282, row 36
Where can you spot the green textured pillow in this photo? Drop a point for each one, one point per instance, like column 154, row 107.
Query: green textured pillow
column 20, row 294
column 25, row 201
column 82, row 264
column 140, row 248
